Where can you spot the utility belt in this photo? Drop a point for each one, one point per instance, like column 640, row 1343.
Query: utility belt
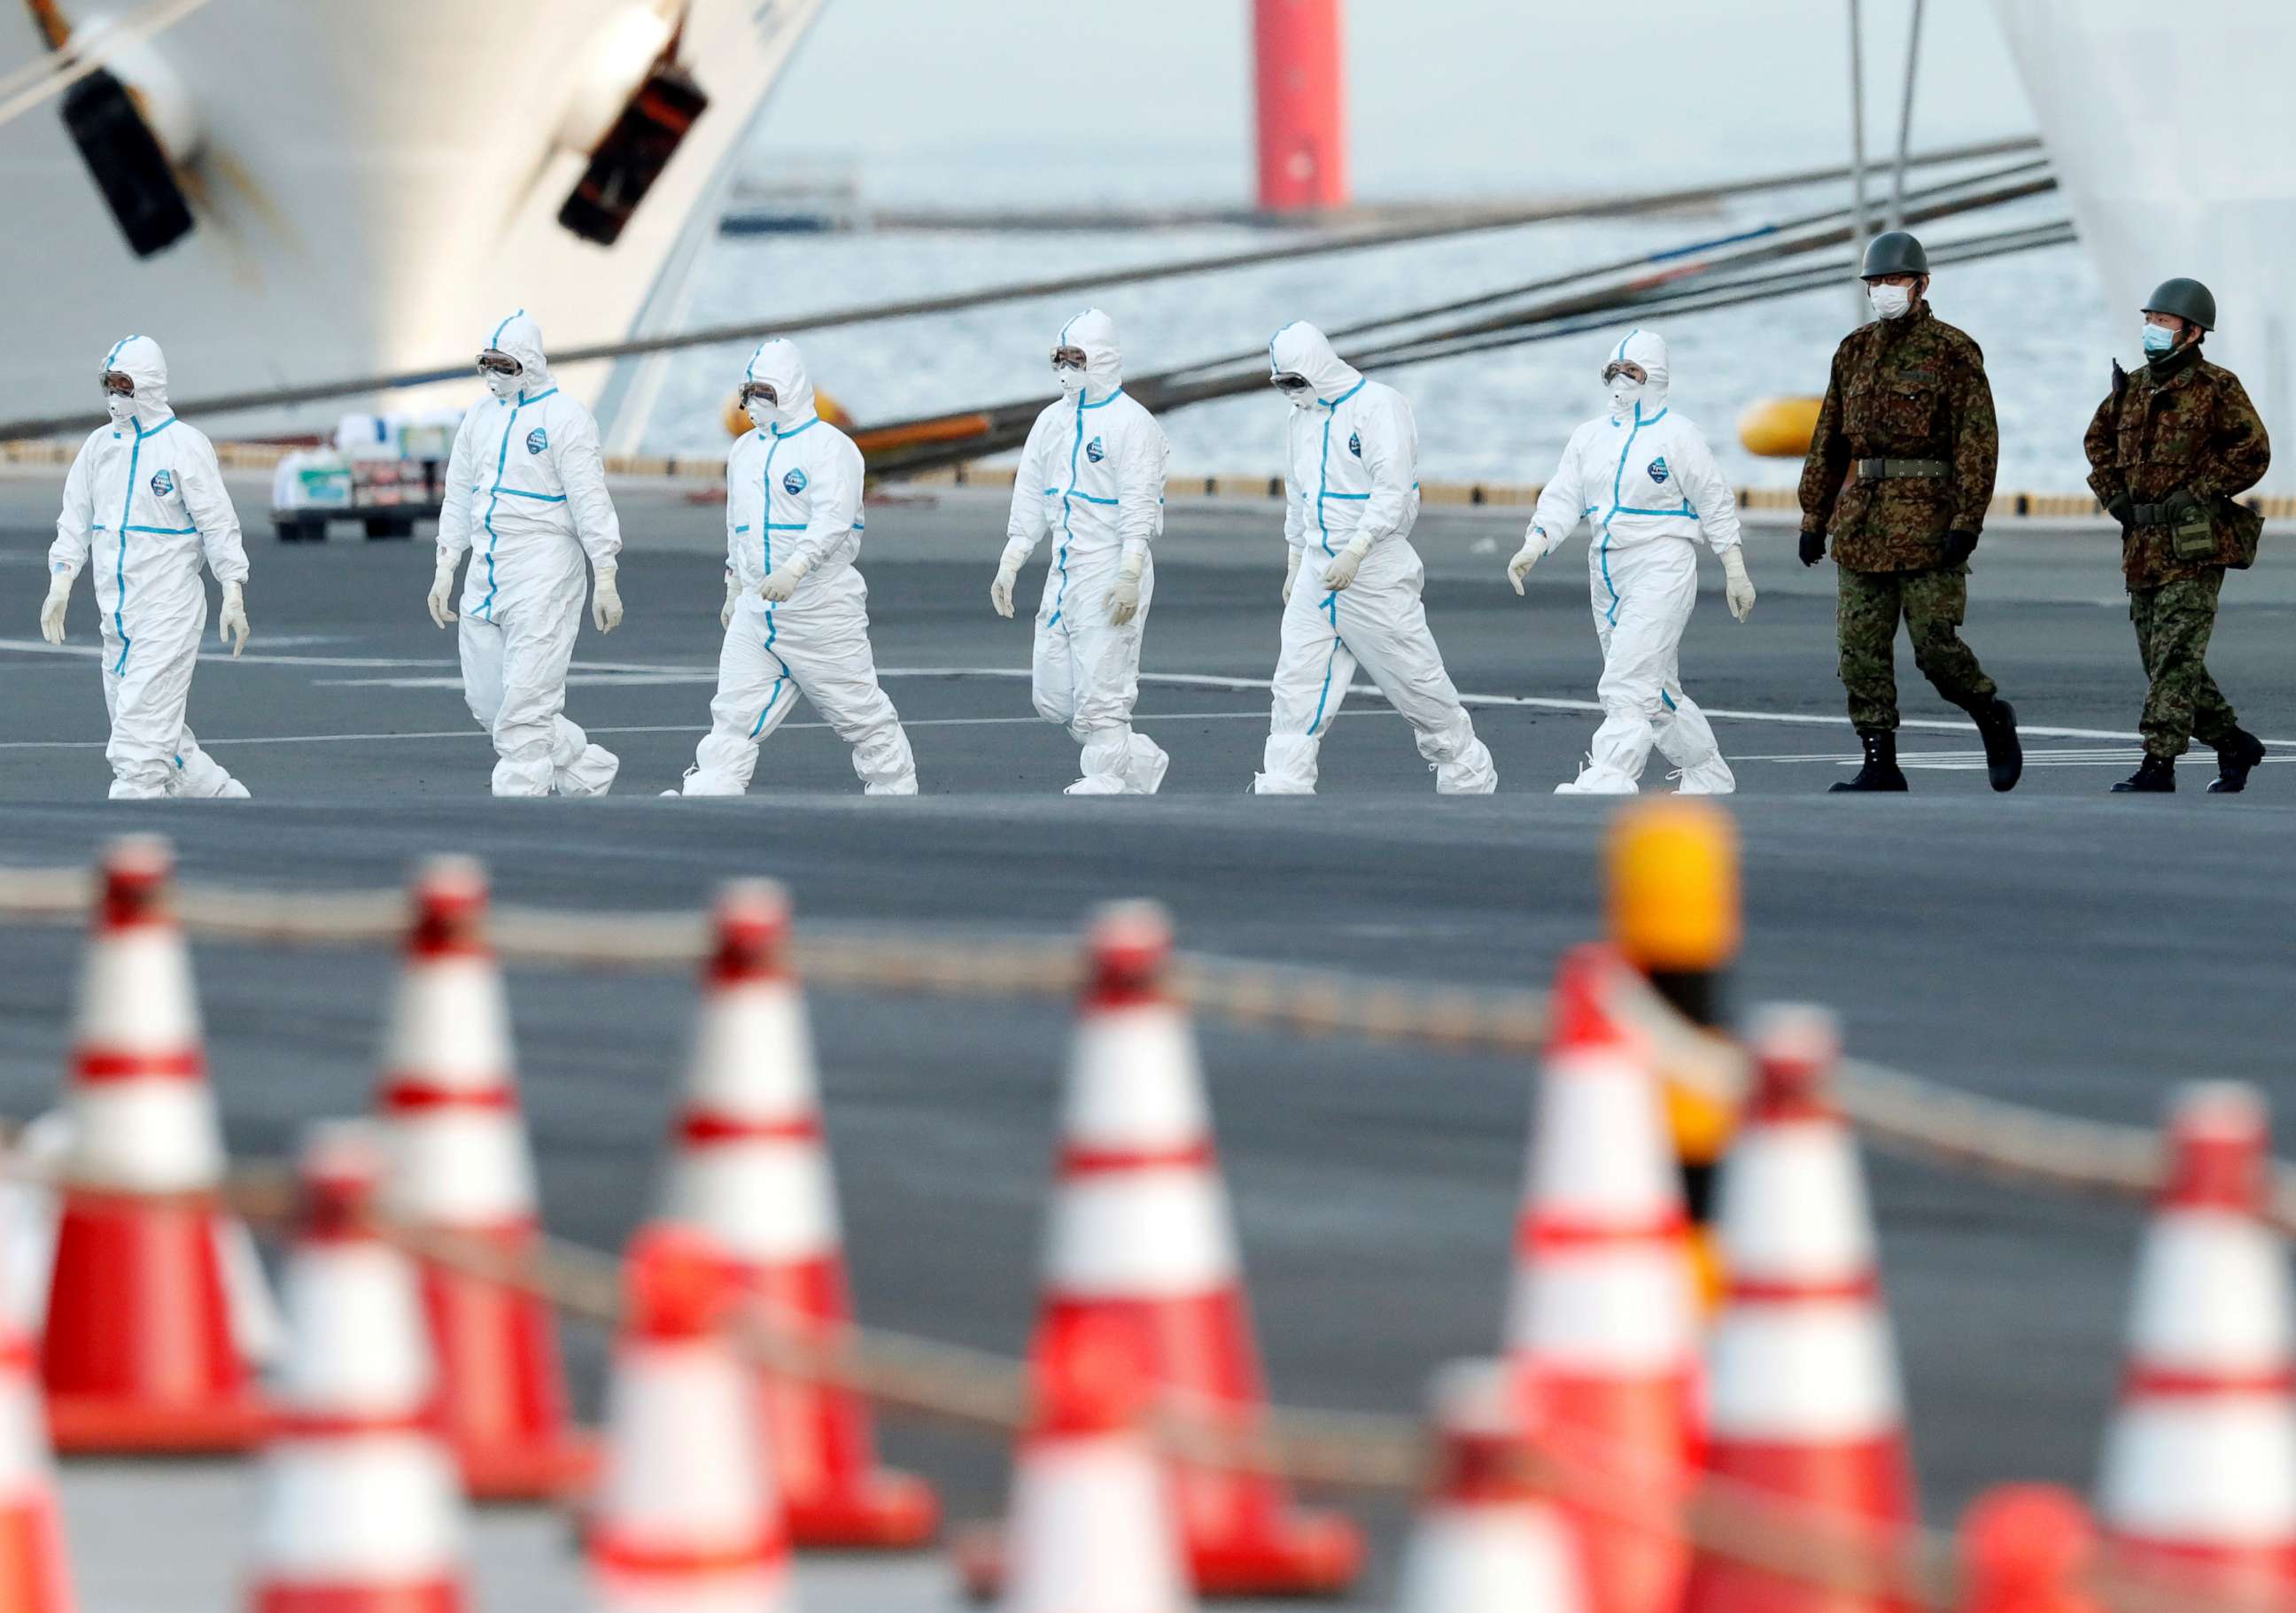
column 1895, row 470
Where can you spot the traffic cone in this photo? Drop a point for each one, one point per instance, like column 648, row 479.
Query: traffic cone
column 361, row 1510
column 460, row 1169
column 1604, row 1337
column 1091, row 1528
column 34, row 1575
column 138, row 1355
column 686, row 1519
column 2025, row 1548
column 751, row 1170
column 1140, row 1235
column 2200, row 1463
column 1804, row 1402
column 1487, row 1541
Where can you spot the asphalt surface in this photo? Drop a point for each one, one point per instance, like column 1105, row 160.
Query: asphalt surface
column 2059, row 945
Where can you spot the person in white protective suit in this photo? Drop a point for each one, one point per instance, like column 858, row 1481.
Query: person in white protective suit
column 1644, row 479
column 526, row 497
column 145, row 501
column 1351, row 589
column 796, row 612
column 1092, row 476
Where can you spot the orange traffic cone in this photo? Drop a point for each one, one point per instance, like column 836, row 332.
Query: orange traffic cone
column 1603, row 1339
column 34, row 1577
column 139, row 1354
column 1090, row 1530
column 2200, row 1464
column 460, row 1167
column 1486, row 1541
column 361, row 1510
column 1804, row 1404
column 2024, row 1548
column 686, row 1519
column 752, row 1171
column 1140, row 1235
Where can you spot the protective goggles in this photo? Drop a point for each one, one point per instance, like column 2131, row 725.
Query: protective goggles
column 1068, row 358
column 1286, row 382
column 116, row 384
column 758, row 391
column 1620, row 366
column 491, row 362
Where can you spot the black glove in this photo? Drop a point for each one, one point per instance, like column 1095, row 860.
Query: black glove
column 2122, row 509
column 1959, row 547
column 2177, row 505
column 1813, row 548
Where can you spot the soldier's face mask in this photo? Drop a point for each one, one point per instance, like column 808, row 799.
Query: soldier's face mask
column 1890, row 301
column 2159, row 338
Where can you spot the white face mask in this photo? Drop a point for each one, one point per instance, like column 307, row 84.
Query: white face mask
column 1626, row 396
column 119, row 406
column 1072, row 382
column 505, row 386
column 761, row 412
column 1891, row 302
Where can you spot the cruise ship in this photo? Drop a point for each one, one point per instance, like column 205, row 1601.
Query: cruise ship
column 291, row 192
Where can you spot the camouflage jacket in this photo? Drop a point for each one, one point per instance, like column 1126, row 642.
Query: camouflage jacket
column 1910, row 388
column 2191, row 427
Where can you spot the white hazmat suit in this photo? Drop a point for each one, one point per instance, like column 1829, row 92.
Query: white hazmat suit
column 798, row 618
column 1645, row 480
column 526, row 496
column 1353, row 599
column 1092, row 476
column 145, row 500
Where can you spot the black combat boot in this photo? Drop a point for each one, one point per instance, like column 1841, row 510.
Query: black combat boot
column 2005, row 757
column 1880, row 769
column 2154, row 775
column 2235, row 758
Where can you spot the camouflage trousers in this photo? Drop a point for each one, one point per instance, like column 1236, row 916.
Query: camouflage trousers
column 1931, row 604
column 2173, row 624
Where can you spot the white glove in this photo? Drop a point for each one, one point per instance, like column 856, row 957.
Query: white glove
column 442, row 589
column 605, row 599
column 1737, row 587
column 1123, row 600
column 232, row 624
column 1341, row 574
column 733, row 592
column 780, row 584
column 1291, row 571
column 1000, row 591
column 1533, row 550
column 52, row 608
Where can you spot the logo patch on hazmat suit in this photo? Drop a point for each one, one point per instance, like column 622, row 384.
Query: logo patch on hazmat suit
column 1355, row 444
column 163, row 482
column 537, row 440
column 1093, row 452
column 793, row 483
column 1657, row 472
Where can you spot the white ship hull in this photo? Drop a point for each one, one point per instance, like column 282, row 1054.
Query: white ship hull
column 378, row 181
column 2174, row 135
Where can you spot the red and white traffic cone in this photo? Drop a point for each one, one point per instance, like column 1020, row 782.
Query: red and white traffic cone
column 1140, row 1235
column 1487, row 1541
column 1604, row 1337
column 361, row 1509
column 686, row 1519
column 34, row 1575
column 752, row 1169
column 1091, row 1528
column 139, row 1354
column 460, row 1167
column 2200, row 1464
column 1804, row 1399
column 2026, row 1548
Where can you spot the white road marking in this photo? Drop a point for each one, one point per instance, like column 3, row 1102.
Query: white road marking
column 1138, row 719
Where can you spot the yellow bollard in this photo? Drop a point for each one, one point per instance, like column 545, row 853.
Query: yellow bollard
column 1675, row 914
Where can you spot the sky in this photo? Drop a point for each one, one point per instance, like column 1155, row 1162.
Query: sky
column 1076, row 101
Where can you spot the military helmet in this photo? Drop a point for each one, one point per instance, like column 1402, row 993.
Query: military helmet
column 1893, row 252
column 2187, row 300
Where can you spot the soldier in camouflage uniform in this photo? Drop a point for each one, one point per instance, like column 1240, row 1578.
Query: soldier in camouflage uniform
column 2170, row 451
column 1900, row 473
